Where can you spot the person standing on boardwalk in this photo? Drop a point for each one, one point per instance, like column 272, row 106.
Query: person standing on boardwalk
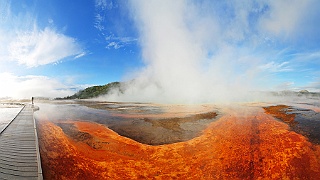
column 32, row 100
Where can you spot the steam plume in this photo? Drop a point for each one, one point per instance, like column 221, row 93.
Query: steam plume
column 194, row 53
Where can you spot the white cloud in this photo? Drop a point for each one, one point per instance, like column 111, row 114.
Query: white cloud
column 5, row 11
column 312, row 56
column 21, row 87
column 284, row 18
column 285, row 86
column 101, row 7
column 119, row 42
column 313, row 86
column 276, row 67
column 23, row 42
column 98, row 22
column 115, row 45
column 103, row 4
column 80, row 55
column 50, row 21
column 108, row 26
column 41, row 47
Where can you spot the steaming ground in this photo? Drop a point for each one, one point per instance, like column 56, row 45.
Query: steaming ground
column 85, row 138
column 156, row 124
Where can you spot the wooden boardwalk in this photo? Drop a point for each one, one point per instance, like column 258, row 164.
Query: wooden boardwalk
column 19, row 149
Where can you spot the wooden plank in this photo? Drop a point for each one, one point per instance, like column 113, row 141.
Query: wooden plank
column 18, row 164
column 19, row 173
column 10, row 177
column 20, row 168
column 19, row 151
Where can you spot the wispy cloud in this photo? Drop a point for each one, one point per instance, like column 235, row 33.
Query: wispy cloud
column 80, row 55
column 276, row 67
column 114, row 45
column 104, row 9
column 285, row 86
column 313, row 86
column 22, row 41
column 312, row 56
column 104, row 4
column 101, row 6
column 119, row 42
column 98, row 24
column 5, row 11
column 41, row 47
column 25, row 42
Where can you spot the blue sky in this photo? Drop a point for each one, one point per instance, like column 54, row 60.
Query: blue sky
column 56, row 47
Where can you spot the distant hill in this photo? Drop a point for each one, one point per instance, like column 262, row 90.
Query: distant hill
column 294, row 93
column 94, row 91
column 304, row 91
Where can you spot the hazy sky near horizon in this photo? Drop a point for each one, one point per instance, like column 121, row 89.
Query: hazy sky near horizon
column 53, row 48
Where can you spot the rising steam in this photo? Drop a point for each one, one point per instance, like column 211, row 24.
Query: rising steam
column 195, row 52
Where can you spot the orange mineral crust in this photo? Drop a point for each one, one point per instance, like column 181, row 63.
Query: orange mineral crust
column 240, row 145
column 279, row 112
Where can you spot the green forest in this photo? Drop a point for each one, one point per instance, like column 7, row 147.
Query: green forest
column 94, row 91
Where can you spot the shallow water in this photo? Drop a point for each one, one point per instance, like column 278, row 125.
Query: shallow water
column 306, row 122
column 153, row 131
column 8, row 113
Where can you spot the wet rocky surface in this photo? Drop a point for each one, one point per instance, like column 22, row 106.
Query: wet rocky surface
column 78, row 136
column 144, row 123
column 300, row 120
column 165, row 131
column 243, row 143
